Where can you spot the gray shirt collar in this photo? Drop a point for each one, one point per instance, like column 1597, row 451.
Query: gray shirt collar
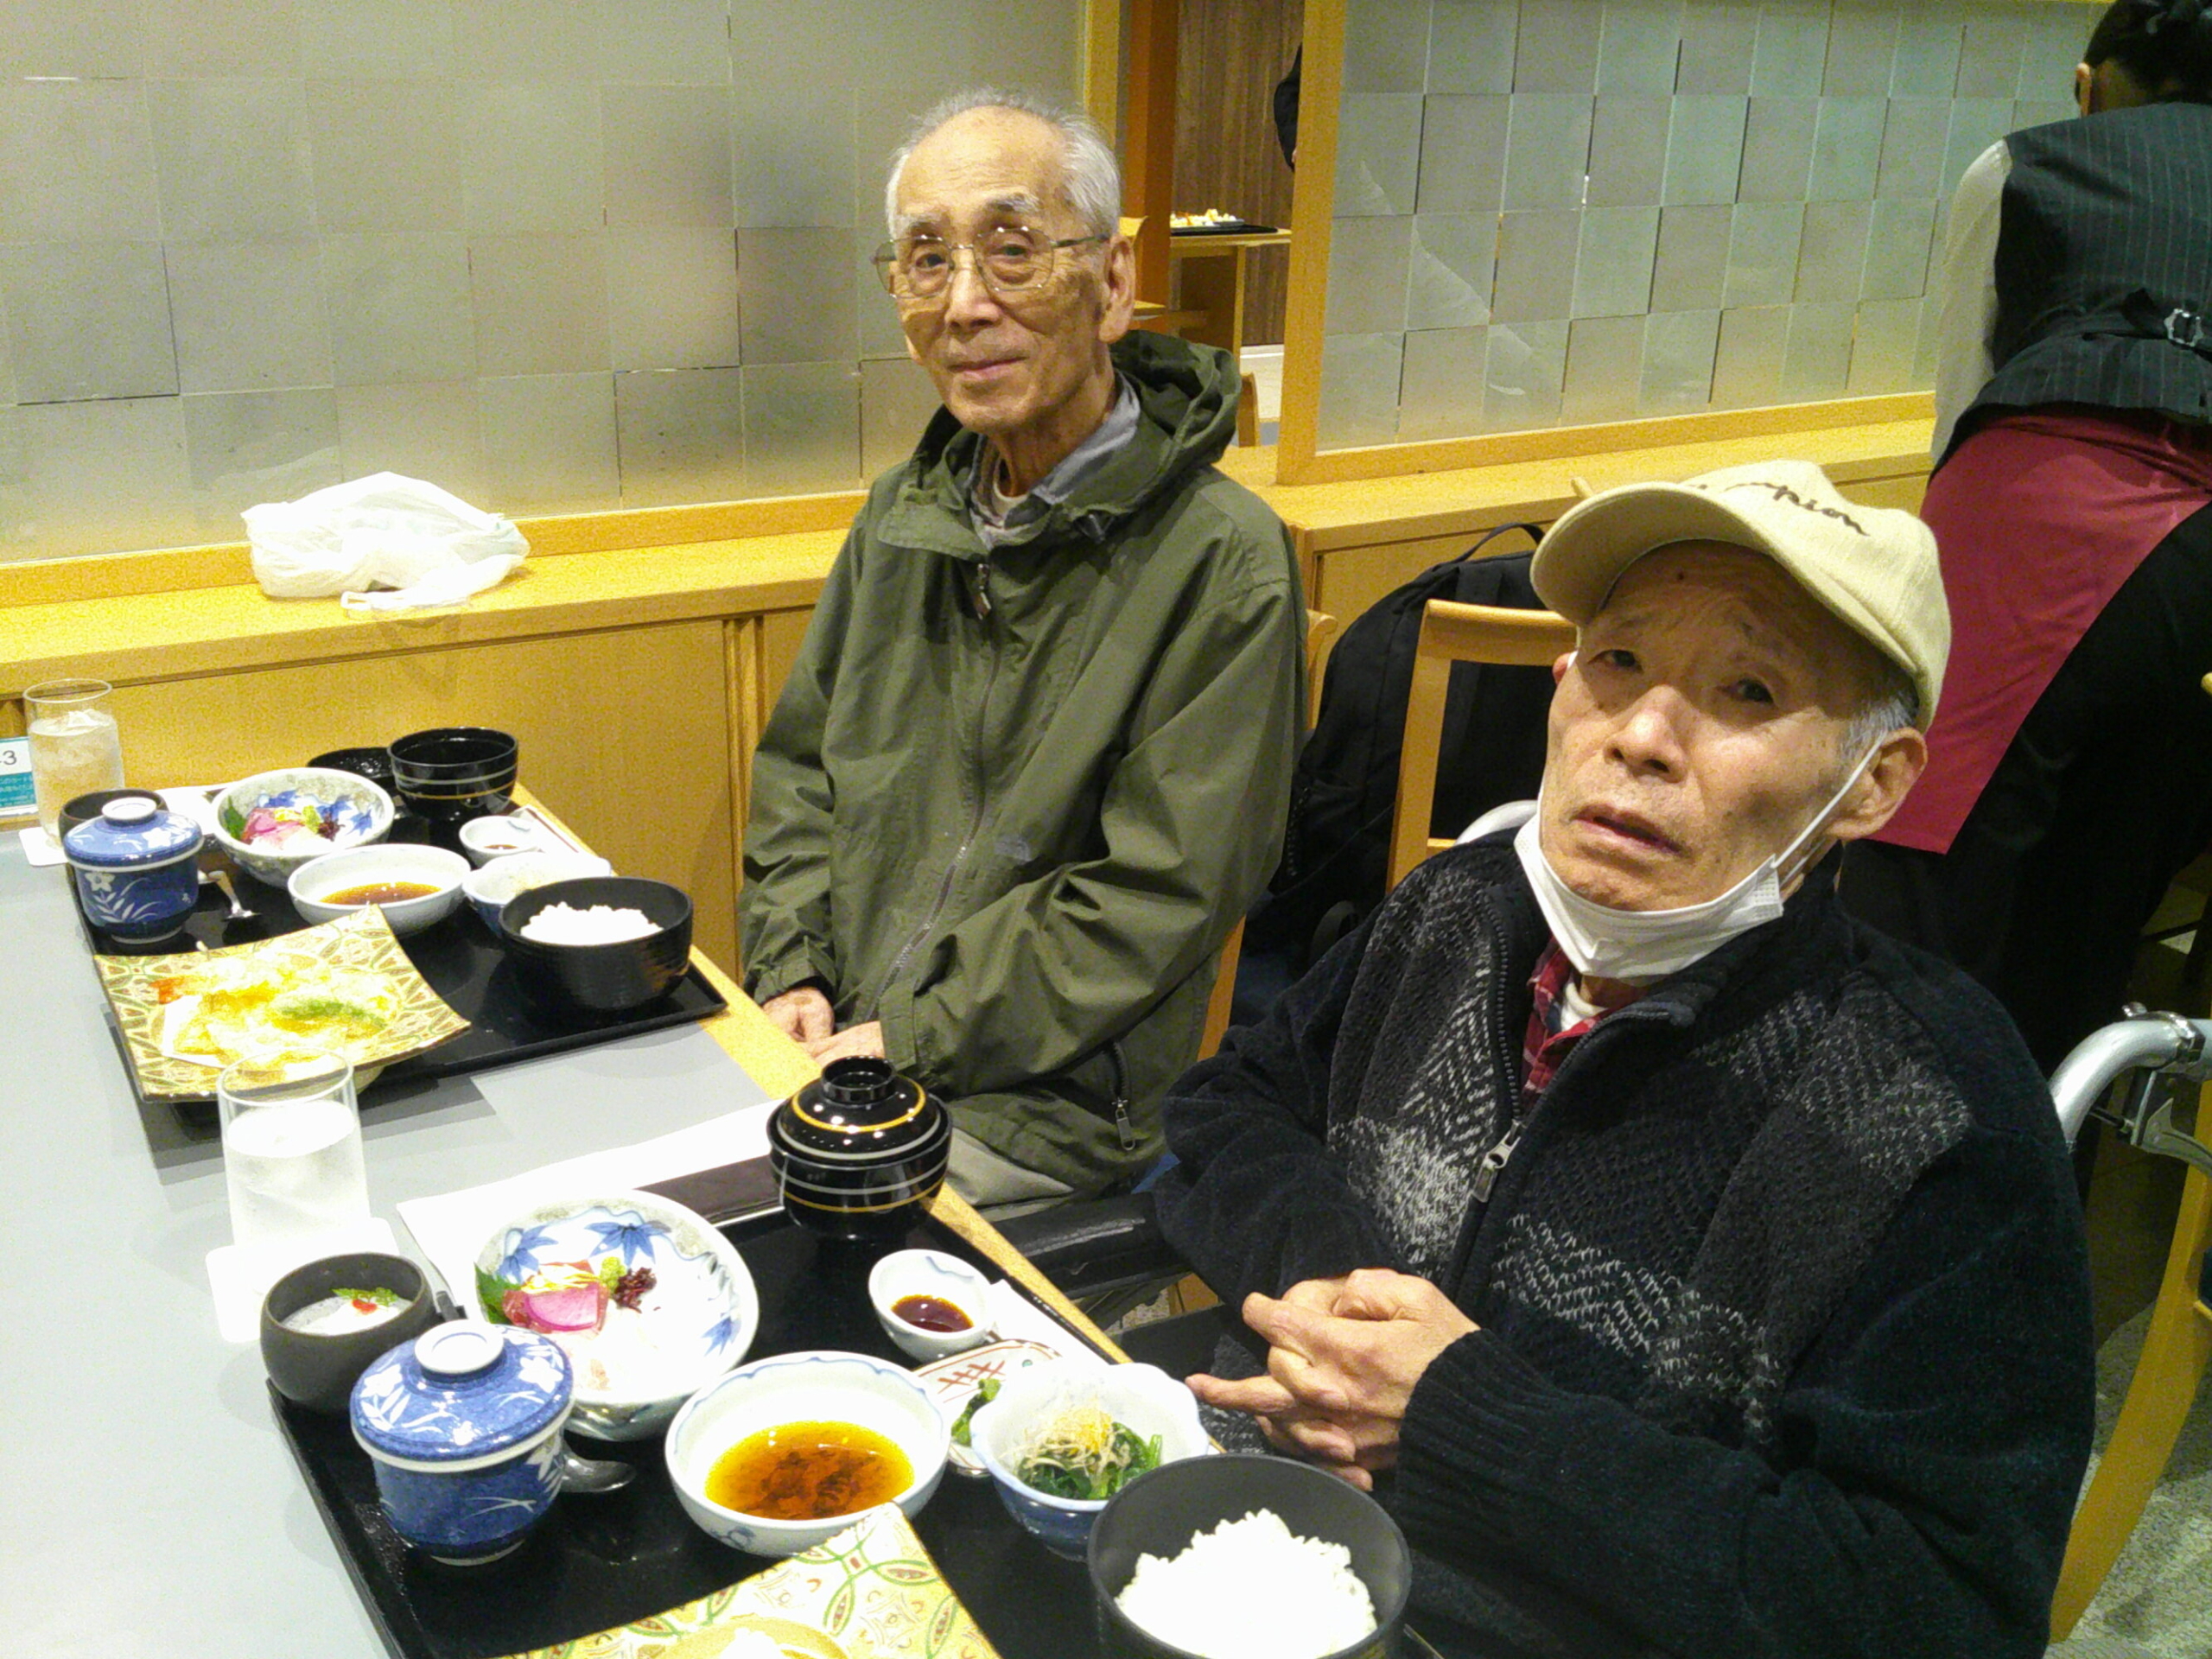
column 998, row 521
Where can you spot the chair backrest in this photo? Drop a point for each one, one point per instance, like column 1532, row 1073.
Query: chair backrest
column 1321, row 630
column 1456, row 633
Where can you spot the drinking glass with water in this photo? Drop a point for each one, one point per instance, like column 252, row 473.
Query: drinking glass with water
column 291, row 1146
column 75, row 749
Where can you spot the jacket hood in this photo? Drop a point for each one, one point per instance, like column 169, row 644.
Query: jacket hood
column 1187, row 416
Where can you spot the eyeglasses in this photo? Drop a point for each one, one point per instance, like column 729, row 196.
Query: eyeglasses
column 1010, row 259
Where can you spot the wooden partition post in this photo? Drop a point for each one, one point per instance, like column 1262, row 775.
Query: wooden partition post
column 1148, row 144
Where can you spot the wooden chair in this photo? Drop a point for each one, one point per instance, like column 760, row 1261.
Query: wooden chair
column 1456, row 633
column 1321, row 631
column 2175, row 1353
column 1248, row 417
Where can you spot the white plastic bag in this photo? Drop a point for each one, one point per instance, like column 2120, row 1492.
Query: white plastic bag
column 430, row 547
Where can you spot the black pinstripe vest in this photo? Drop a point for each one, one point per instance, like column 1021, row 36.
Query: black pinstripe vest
column 2104, row 266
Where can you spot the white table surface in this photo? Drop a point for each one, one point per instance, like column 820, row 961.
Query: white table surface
column 149, row 1508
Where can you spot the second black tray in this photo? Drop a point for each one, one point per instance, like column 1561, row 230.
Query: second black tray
column 463, row 963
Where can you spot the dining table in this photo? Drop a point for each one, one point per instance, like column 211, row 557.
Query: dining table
column 149, row 1503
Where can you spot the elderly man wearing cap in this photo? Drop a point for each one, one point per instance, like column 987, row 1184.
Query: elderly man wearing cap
column 1703, row 1268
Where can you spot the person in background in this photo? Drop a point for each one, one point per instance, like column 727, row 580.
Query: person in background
column 1033, row 758
column 2070, row 774
column 1688, row 1267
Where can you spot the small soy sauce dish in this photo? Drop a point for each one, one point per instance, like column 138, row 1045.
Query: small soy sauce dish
column 930, row 1304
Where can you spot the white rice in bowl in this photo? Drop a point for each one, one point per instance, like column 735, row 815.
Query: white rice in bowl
column 1250, row 1589
column 560, row 923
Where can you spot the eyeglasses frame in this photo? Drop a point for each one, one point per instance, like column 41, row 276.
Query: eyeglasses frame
column 886, row 259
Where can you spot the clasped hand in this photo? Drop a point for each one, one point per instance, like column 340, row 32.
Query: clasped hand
column 804, row 1015
column 1344, row 1356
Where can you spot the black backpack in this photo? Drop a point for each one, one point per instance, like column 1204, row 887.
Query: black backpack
column 1337, row 849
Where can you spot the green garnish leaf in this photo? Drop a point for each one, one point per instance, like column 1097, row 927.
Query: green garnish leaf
column 489, row 1294
column 982, row 1397
column 377, row 1294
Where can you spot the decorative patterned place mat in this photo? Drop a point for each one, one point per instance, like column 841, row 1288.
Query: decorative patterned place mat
column 140, row 990
column 870, row 1593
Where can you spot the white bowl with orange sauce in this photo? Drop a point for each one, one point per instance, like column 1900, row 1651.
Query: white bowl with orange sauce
column 415, row 886
column 795, row 1398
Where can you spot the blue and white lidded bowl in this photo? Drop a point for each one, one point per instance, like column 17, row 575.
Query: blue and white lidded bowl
column 463, row 1425
column 135, row 868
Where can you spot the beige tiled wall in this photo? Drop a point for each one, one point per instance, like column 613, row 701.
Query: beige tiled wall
column 552, row 254
column 1570, row 211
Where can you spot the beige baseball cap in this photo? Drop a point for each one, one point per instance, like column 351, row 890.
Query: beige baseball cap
column 1874, row 568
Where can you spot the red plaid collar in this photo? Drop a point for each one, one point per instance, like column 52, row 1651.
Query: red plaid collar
column 1549, row 1036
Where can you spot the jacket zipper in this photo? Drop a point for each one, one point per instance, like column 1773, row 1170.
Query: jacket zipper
column 980, row 602
column 1121, row 1122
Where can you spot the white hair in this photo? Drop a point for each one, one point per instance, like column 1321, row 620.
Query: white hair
column 1090, row 179
column 1894, row 703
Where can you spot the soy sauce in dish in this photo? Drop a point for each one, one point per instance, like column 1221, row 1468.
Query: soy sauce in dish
column 380, row 892
column 809, row 1472
column 931, row 1313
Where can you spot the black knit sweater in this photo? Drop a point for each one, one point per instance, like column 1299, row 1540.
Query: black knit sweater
column 1785, row 1342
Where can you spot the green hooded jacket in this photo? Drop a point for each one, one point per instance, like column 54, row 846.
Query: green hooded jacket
column 1011, row 807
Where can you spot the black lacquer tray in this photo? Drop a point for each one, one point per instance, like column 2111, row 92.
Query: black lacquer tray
column 463, row 963
column 1224, row 227
column 596, row 1563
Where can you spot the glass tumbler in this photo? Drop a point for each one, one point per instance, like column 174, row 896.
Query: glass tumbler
column 291, row 1147
column 74, row 747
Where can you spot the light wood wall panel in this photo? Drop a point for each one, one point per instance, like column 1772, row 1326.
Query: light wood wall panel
column 625, row 734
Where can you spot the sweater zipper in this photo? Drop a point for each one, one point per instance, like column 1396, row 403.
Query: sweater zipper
column 980, row 602
column 1508, row 1091
column 1495, row 1160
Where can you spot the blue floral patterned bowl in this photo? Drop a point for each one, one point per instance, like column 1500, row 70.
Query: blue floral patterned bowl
column 650, row 1302
column 137, row 868
column 463, row 1425
column 349, row 809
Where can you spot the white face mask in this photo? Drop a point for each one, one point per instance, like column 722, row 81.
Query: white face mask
column 1639, row 946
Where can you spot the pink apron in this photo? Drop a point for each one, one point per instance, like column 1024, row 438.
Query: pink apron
column 2040, row 517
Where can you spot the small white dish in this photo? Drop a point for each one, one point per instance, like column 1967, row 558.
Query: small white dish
column 946, row 1280
column 311, row 884
column 801, row 1388
column 1142, row 1398
column 497, row 836
column 489, row 888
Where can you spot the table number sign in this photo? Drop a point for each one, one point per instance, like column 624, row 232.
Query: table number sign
column 16, row 797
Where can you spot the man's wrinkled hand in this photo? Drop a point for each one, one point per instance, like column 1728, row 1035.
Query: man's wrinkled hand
column 802, row 1014
column 864, row 1042
column 1340, row 1375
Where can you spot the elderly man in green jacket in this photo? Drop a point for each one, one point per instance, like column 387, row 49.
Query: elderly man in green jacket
column 1034, row 757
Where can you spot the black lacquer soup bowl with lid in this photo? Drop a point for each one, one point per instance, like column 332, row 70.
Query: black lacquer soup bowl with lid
column 859, row 1152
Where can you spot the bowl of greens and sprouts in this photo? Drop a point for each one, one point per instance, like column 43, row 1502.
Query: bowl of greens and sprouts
column 1060, row 1439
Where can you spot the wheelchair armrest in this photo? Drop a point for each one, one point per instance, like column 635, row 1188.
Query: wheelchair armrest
column 1096, row 1244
